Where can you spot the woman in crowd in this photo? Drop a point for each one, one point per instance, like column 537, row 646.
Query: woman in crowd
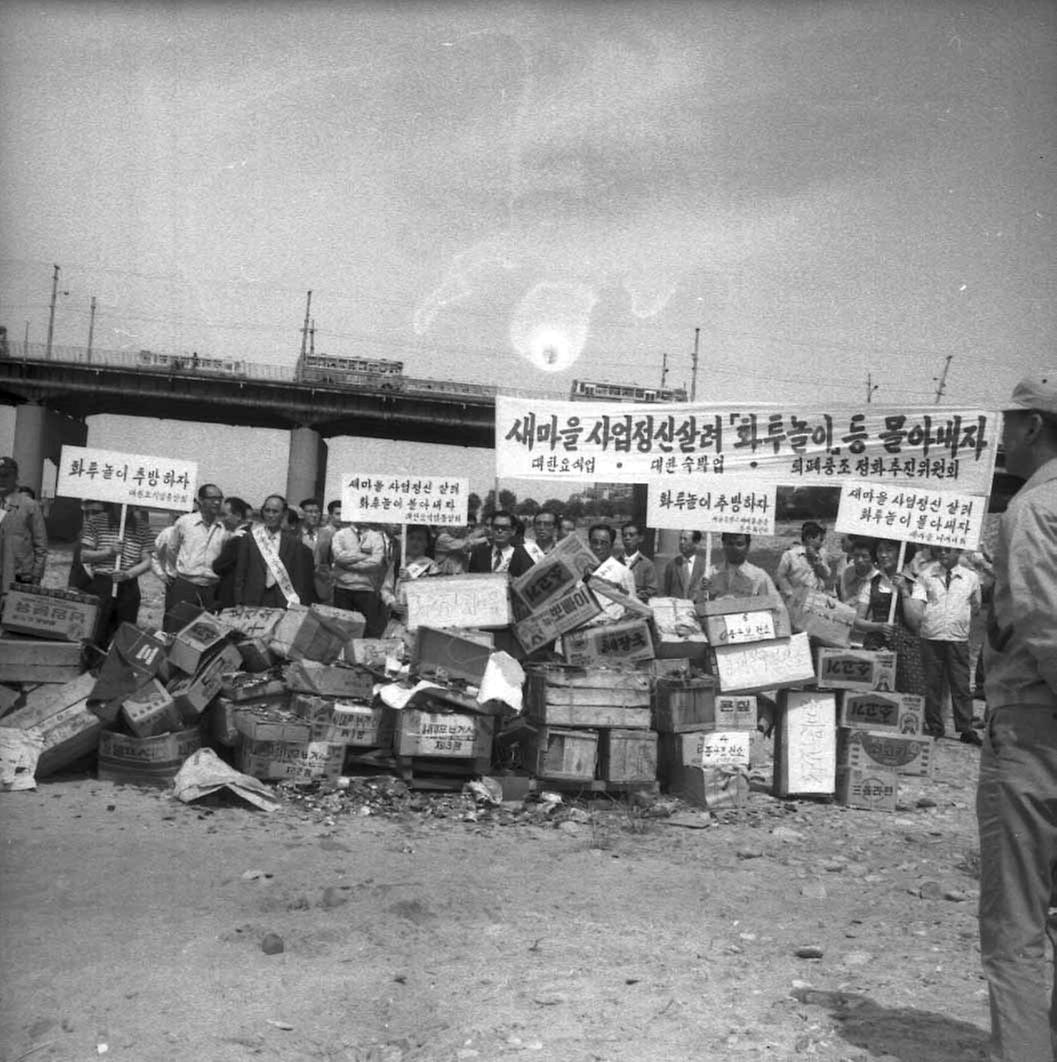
column 101, row 548
column 874, row 608
column 418, row 564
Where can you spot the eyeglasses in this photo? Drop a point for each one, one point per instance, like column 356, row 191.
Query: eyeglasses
column 502, row 527
column 212, row 497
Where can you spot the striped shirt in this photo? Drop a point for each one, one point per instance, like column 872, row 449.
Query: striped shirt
column 99, row 534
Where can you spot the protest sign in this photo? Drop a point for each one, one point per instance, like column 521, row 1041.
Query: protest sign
column 400, row 499
column 130, row 479
column 544, row 438
column 458, row 601
column 687, row 505
column 934, row 517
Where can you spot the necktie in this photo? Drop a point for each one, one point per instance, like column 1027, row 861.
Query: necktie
column 948, row 578
column 497, row 560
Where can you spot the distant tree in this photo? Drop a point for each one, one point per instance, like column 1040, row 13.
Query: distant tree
column 554, row 505
column 473, row 504
column 489, row 505
column 605, row 507
column 528, row 507
column 507, row 500
column 574, row 508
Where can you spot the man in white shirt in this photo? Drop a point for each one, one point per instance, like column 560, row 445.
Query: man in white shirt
column 947, row 596
column 600, row 539
column 640, row 566
column 734, row 576
column 196, row 541
column 804, row 565
column 684, row 572
column 545, row 525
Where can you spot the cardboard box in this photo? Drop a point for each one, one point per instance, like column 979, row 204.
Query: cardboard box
column 821, row 616
column 218, row 722
column 739, row 620
column 709, row 748
column 438, row 734
column 374, row 653
column 902, row 712
column 446, row 655
column 588, row 697
column 678, row 633
column 565, row 613
column 550, row 578
column 134, row 656
column 805, row 744
column 764, row 665
column 627, row 755
column 240, row 687
column 289, row 761
column 266, row 723
column 714, row 788
column 59, row 615
column 255, row 655
column 874, row 789
column 564, row 755
column 459, row 601
column 348, row 683
column 856, row 669
column 151, row 710
column 339, row 722
column 194, row 693
column 871, row 749
column 145, row 761
column 624, row 643
column 693, row 704
column 202, row 638
column 31, row 660
column 251, row 622
column 574, row 550
column 59, row 715
column 317, row 633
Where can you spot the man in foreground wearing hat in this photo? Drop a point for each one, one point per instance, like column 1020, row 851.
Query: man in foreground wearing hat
column 1016, row 802
column 23, row 538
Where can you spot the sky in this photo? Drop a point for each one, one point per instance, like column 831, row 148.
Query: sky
column 526, row 194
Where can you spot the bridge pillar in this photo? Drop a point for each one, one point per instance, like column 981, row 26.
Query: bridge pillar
column 306, row 473
column 41, row 433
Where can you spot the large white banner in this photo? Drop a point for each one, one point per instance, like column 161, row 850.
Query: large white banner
column 935, row 517
column 724, row 505
column 132, row 479
column 395, row 499
column 929, row 446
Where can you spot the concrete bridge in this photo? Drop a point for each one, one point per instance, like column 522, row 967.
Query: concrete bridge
column 54, row 395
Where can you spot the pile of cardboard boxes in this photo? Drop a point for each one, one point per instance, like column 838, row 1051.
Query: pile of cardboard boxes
column 614, row 694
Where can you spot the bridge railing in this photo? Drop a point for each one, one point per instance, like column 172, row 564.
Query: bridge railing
column 231, row 368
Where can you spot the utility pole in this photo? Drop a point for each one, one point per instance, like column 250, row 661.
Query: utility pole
column 25, row 344
column 943, row 379
column 312, row 338
column 304, row 337
column 51, row 314
column 664, row 370
column 870, row 387
column 91, row 329
column 693, row 370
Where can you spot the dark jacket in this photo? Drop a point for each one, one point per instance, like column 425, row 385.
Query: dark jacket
column 251, row 571
column 224, row 566
column 481, row 560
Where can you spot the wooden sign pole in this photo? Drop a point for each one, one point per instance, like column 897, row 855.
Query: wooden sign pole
column 895, row 592
column 121, row 548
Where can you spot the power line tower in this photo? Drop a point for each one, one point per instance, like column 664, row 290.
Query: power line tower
column 51, row 312
column 870, row 387
column 299, row 375
column 91, row 330
column 693, row 369
column 664, row 370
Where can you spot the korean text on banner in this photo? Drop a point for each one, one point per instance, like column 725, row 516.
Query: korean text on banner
column 935, row 517
column 721, row 505
column 129, row 479
column 541, row 438
column 396, row 499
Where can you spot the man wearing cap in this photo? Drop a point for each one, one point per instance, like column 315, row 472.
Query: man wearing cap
column 23, row 538
column 1016, row 801
column 804, row 565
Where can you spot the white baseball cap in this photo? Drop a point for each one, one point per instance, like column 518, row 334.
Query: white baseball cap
column 1038, row 392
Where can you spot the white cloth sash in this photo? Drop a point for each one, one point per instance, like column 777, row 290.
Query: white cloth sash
column 275, row 565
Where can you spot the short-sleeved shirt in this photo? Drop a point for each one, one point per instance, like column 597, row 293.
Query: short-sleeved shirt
column 745, row 580
column 948, row 609
column 99, row 533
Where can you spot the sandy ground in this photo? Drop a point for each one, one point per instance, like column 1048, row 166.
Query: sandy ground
column 413, row 932
column 132, row 920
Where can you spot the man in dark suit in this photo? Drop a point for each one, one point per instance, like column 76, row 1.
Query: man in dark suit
column 502, row 555
column 683, row 573
column 234, row 515
column 273, row 568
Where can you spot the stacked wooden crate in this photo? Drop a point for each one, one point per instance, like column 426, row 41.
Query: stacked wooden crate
column 590, row 725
